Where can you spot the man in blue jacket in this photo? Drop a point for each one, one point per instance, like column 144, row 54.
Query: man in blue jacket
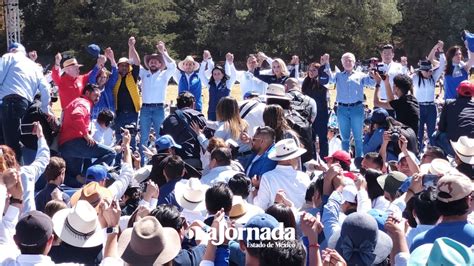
column 262, row 143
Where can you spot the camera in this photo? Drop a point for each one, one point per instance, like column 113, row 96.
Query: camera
column 394, row 134
column 430, row 180
column 369, row 64
column 381, row 69
column 132, row 128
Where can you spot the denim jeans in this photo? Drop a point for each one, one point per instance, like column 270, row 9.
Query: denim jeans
column 148, row 116
column 320, row 129
column 122, row 119
column 75, row 151
column 428, row 114
column 351, row 119
column 13, row 110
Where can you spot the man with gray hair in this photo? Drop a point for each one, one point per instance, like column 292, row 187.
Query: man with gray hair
column 20, row 81
column 350, row 101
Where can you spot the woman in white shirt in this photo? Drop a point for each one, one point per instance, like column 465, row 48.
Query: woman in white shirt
column 424, row 85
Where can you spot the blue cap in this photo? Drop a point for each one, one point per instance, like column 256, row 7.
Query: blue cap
column 93, row 49
column 96, row 173
column 469, row 37
column 260, row 221
column 165, row 142
column 17, row 46
column 380, row 217
column 379, row 116
column 444, row 251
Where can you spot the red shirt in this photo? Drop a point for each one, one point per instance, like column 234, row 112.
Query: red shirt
column 69, row 88
column 76, row 120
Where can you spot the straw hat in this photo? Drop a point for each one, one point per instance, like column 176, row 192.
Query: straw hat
column 79, row 226
column 276, row 91
column 149, row 243
column 148, row 57
column 285, row 149
column 188, row 59
column 92, row 193
column 242, row 211
column 464, row 148
column 190, row 194
column 71, row 62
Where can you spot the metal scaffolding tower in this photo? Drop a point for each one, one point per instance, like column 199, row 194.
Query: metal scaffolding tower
column 11, row 13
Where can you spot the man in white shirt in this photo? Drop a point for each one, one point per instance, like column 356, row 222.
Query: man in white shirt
column 221, row 170
column 248, row 82
column 284, row 177
column 101, row 130
column 390, row 68
column 160, row 68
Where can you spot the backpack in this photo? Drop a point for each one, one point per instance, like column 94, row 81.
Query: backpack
column 302, row 126
column 300, row 103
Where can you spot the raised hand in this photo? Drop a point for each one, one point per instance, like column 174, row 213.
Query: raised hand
column 206, row 55
column 131, row 41
column 229, row 58
column 109, row 53
column 161, row 47
column 57, row 58
column 101, row 60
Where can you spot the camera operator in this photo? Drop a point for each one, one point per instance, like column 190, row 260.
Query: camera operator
column 407, row 110
column 388, row 68
column 378, row 125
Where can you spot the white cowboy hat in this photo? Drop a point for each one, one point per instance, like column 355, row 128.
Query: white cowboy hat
column 285, row 149
column 276, row 91
column 464, row 148
column 190, row 194
column 79, row 226
column 188, row 59
column 242, row 211
column 149, row 243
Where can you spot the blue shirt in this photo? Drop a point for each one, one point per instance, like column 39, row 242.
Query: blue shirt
column 373, row 141
column 106, row 100
column 350, row 86
column 21, row 76
column 166, row 190
column 463, row 232
column 451, row 82
column 261, row 165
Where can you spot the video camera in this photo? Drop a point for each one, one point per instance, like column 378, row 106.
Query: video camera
column 132, row 128
column 395, row 133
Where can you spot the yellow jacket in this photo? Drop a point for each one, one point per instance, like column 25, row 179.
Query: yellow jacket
column 132, row 89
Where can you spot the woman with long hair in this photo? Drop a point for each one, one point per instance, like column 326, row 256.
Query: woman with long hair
column 424, row 85
column 314, row 87
column 229, row 126
column 456, row 70
column 274, row 117
column 280, row 72
column 219, row 85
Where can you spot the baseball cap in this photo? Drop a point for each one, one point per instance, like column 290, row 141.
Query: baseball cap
column 96, row 173
column 454, row 186
column 392, row 181
column 401, row 155
column 33, row 229
column 379, row 116
column 343, row 156
column 259, row 221
column 349, row 194
column 165, row 142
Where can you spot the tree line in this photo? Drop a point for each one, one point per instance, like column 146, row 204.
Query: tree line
column 277, row 27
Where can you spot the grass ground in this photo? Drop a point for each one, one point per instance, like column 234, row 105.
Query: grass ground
column 172, row 94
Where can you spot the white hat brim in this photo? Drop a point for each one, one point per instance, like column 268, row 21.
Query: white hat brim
column 59, row 221
column 272, row 155
column 179, row 189
column 466, row 159
column 181, row 65
column 252, row 210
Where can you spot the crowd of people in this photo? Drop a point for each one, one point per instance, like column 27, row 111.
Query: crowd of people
column 120, row 177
